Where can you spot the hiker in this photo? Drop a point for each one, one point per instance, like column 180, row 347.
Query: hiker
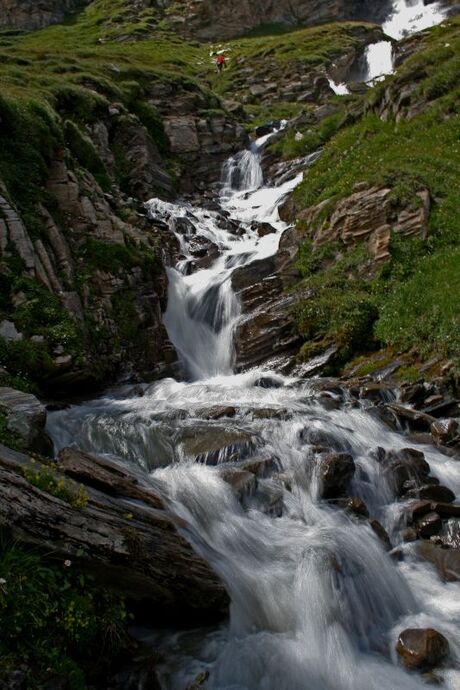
column 220, row 62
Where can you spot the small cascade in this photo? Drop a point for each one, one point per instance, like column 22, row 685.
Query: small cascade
column 203, row 309
column 243, row 171
column 339, row 89
column 406, row 17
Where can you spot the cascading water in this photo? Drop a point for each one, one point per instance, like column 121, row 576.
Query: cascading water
column 316, row 601
column 406, row 17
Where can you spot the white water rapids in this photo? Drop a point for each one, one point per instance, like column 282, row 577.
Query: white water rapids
column 316, row 601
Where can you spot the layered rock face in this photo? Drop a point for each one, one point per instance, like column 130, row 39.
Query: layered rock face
column 367, row 215
column 211, row 19
column 31, row 15
column 96, row 254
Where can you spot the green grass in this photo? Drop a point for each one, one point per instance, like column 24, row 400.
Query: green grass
column 56, row 623
column 413, row 302
column 116, row 258
column 424, row 310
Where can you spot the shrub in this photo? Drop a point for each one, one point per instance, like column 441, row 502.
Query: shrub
column 47, row 478
column 55, row 620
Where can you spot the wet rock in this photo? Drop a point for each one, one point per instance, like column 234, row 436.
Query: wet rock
column 270, row 413
column 405, row 469
column 213, row 445
column 441, row 406
column 429, row 525
column 445, row 431
column 432, row 492
column 446, row 509
column 335, row 472
column 410, row 534
column 262, row 467
column 355, row 506
column 417, row 509
column 377, row 392
column 329, row 401
column 421, row 648
column 216, row 412
column 264, row 229
column 267, row 128
column 382, row 414
column 106, row 475
column 381, row 532
column 413, row 393
column 243, row 482
column 269, row 498
column 268, row 382
column 415, row 420
column 26, row 417
column 325, row 439
column 432, row 678
column 446, row 561
column 451, row 534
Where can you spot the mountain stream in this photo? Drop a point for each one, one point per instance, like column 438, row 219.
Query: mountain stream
column 317, row 602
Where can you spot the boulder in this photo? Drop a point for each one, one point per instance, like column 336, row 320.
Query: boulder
column 446, row 561
column 335, row 472
column 212, row 445
column 182, row 134
column 9, row 332
column 432, row 492
column 445, row 431
column 381, row 532
column 355, row 506
column 243, row 483
column 429, row 525
column 217, row 412
column 422, row 648
column 406, row 465
column 414, row 420
column 26, row 417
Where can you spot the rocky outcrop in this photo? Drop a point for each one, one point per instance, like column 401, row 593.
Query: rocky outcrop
column 267, row 331
column 26, row 418
column 205, row 143
column 72, row 259
column 366, row 215
column 210, row 19
column 121, row 533
column 89, row 248
column 30, row 15
column 271, row 77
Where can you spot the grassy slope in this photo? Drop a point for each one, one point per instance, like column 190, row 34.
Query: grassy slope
column 414, row 301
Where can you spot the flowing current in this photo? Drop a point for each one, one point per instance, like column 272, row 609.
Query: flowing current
column 317, row 602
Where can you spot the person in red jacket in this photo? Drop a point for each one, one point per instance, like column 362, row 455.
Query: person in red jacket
column 220, row 62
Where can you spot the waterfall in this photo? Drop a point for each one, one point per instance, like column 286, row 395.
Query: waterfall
column 317, row 602
column 406, row 17
column 243, row 171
